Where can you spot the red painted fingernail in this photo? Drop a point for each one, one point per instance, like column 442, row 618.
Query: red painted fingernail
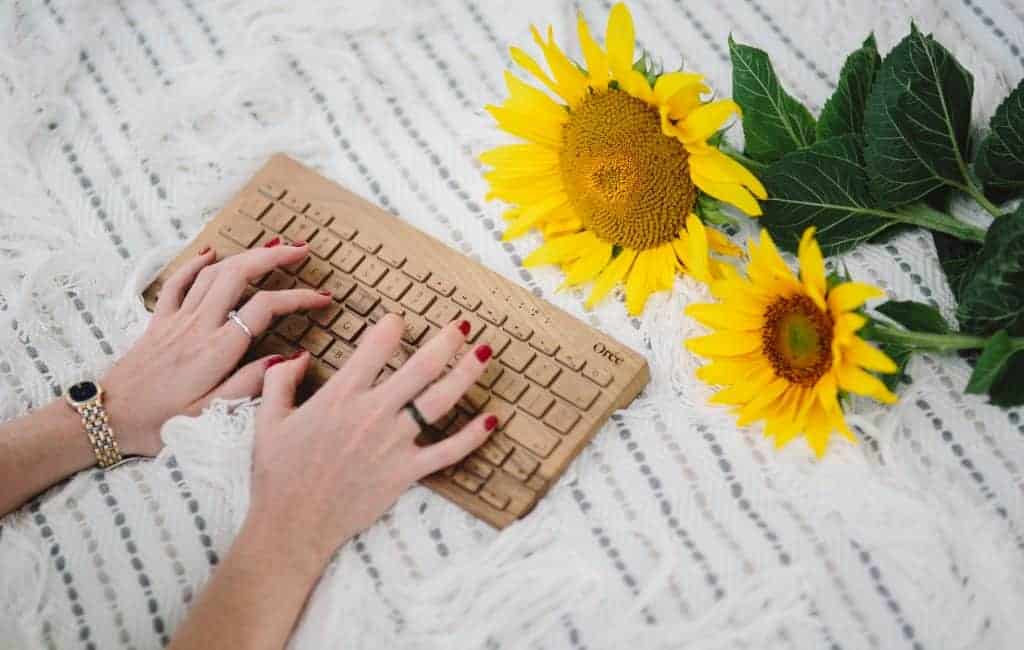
column 206, row 249
column 491, row 422
column 273, row 242
column 298, row 244
column 325, row 292
column 483, row 353
column 464, row 327
column 274, row 360
column 295, row 355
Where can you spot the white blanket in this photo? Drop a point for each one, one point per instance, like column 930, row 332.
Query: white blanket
column 126, row 125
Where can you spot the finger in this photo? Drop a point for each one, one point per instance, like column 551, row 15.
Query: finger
column 376, row 346
column 264, row 306
column 238, row 271
column 247, row 381
column 204, row 280
column 279, row 384
column 439, row 398
column 436, row 456
column 425, row 366
column 174, row 290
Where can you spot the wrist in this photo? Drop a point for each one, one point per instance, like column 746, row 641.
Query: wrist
column 134, row 436
column 265, row 541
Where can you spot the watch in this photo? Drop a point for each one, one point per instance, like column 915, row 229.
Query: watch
column 86, row 397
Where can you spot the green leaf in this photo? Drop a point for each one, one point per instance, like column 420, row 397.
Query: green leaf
column 993, row 295
column 1000, row 161
column 915, row 316
column 957, row 257
column 826, row 186
column 1009, row 388
column 710, row 211
column 916, row 123
column 844, row 111
column 991, row 364
column 900, row 355
column 774, row 123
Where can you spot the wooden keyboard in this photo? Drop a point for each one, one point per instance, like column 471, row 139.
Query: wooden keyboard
column 553, row 381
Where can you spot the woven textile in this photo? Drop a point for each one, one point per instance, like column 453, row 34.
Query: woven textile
column 126, row 124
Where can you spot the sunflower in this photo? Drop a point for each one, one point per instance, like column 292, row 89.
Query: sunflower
column 785, row 347
column 612, row 168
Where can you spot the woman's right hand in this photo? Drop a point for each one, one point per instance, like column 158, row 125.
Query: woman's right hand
column 326, row 470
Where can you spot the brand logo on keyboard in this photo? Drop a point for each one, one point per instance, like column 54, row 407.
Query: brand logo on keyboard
column 608, row 353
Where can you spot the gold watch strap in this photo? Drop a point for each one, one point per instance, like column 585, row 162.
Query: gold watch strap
column 101, row 436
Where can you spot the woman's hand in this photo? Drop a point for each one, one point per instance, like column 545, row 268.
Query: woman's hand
column 187, row 354
column 328, row 469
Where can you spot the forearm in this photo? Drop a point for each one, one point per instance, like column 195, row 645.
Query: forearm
column 38, row 450
column 255, row 595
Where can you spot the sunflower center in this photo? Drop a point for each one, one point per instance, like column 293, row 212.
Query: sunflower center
column 797, row 339
column 628, row 182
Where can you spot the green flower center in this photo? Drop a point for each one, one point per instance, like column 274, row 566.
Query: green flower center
column 797, row 339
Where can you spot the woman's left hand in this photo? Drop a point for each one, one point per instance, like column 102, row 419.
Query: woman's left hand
column 187, row 354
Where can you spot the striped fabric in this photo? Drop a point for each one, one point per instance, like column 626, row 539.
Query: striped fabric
column 126, row 126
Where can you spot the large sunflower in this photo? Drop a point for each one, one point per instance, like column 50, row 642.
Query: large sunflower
column 785, row 347
column 612, row 175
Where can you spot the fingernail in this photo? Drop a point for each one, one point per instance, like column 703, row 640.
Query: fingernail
column 273, row 242
column 325, row 292
column 298, row 244
column 464, row 327
column 274, row 360
column 491, row 422
column 483, row 353
column 295, row 355
column 206, row 249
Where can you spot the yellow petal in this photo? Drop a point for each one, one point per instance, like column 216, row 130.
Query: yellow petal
column 572, row 84
column 868, row 356
column 593, row 55
column 521, row 158
column 725, row 344
column 705, row 120
column 619, row 39
column 817, row 430
column 668, row 84
column 847, row 326
column 639, row 283
column 590, row 264
column 542, row 132
column 726, row 371
column 723, row 316
column 524, row 98
column 731, row 193
column 719, row 242
column 851, row 295
column 855, row 380
column 765, row 404
column 742, row 393
column 533, row 214
column 554, row 227
column 560, row 249
column 610, row 276
column 526, row 62
column 718, row 167
column 812, row 267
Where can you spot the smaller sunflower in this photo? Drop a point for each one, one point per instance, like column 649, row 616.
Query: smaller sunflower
column 785, row 347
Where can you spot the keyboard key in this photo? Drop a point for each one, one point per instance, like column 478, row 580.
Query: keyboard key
column 545, row 344
column 517, row 356
column 502, row 410
column 400, row 356
column 394, row 286
column 326, row 315
column 442, row 312
column 292, row 327
column 491, row 374
column 324, row 244
column 315, row 272
column 255, row 207
column 319, row 372
column 295, row 266
column 467, row 300
column 418, row 299
column 302, row 229
column 277, row 280
column 543, row 371
column 416, row 271
column 272, row 190
column 562, row 417
column 520, row 464
column 347, row 258
column 497, row 449
column 391, row 256
column 370, row 272
column 320, row 213
column 348, row 326
column 494, row 498
column 441, row 285
column 338, row 354
column 598, row 375
column 492, row 315
column 476, row 327
column 339, row 286
column 295, row 202
column 477, row 466
column 498, row 341
column 502, row 484
column 570, row 360
column 510, row 387
column 316, row 341
column 367, row 242
column 278, row 218
column 382, row 376
column 274, row 344
column 242, row 231
column 391, row 307
column 474, row 400
column 466, row 481
column 532, row 434
column 519, row 330
column 415, row 328
column 362, row 301
column 577, row 391
column 343, row 230
column 536, row 402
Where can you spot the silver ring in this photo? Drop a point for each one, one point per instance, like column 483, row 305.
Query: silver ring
column 233, row 316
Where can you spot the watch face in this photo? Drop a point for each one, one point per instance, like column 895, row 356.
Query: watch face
column 83, row 391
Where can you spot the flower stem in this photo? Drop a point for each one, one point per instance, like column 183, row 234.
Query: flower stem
column 981, row 200
column 919, row 214
column 738, row 156
column 882, row 333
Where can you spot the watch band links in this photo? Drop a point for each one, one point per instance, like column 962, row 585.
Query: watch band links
column 101, row 436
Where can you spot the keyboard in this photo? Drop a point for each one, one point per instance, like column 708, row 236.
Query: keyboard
column 553, row 380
